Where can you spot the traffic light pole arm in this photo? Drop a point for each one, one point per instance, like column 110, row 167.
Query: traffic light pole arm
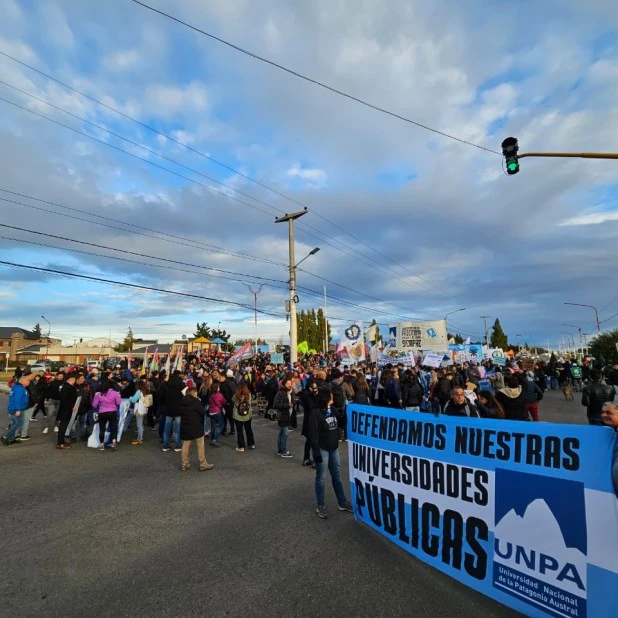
column 575, row 155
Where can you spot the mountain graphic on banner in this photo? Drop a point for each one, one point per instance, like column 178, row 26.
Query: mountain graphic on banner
column 538, row 534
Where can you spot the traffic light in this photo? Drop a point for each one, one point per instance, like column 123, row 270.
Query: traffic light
column 510, row 148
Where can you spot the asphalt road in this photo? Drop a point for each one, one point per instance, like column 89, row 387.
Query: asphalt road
column 128, row 534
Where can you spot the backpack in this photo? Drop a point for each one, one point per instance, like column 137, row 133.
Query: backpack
column 243, row 408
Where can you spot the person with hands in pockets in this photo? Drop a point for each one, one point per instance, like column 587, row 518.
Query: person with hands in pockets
column 324, row 437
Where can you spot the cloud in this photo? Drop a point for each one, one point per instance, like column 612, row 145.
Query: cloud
column 123, row 60
column 314, row 177
column 591, row 219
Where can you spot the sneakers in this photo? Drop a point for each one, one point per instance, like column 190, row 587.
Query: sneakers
column 33, row 419
column 165, row 449
column 252, row 446
column 25, row 438
column 45, row 430
column 184, row 468
column 101, row 448
column 136, row 442
column 56, row 429
column 307, row 463
column 177, row 450
column 214, row 444
column 63, row 447
column 240, row 450
column 207, row 467
column 321, row 511
column 346, row 506
column 286, row 455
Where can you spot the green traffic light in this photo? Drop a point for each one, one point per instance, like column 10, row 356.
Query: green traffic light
column 512, row 166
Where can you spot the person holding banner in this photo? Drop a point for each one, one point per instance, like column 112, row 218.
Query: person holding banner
column 324, row 438
column 609, row 417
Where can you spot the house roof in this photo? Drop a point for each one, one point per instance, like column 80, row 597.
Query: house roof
column 6, row 332
column 30, row 349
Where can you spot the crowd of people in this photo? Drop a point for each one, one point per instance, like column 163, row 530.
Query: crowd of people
column 205, row 399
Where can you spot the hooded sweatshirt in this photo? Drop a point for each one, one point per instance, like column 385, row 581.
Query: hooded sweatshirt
column 513, row 402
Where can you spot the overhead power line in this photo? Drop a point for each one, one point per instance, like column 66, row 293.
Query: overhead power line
column 54, row 271
column 314, row 81
column 331, row 241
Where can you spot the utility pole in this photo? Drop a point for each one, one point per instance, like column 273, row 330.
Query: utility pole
column 325, row 325
column 485, row 318
column 518, row 335
column 48, row 333
column 255, row 295
column 290, row 218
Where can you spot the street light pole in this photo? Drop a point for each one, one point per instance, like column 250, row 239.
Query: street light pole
column 255, row 295
column 596, row 313
column 485, row 318
column 580, row 334
column 290, row 218
column 48, row 333
column 451, row 313
column 518, row 335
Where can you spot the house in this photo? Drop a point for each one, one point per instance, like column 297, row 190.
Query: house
column 14, row 339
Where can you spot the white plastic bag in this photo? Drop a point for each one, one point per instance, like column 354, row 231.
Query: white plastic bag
column 93, row 440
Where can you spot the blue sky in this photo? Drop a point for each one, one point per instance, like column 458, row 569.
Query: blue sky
column 409, row 223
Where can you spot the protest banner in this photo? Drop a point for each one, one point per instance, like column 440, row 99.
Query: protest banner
column 244, row 353
column 523, row 512
column 276, row 359
column 414, row 336
column 407, row 359
column 351, row 348
column 433, row 360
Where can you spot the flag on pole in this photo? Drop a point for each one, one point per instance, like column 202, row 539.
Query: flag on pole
column 168, row 363
column 178, row 362
column 129, row 359
column 371, row 333
column 145, row 361
column 303, row 347
column 244, row 353
column 154, row 365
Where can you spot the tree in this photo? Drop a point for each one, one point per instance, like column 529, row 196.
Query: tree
column 310, row 326
column 456, row 338
column 202, row 330
column 127, row 344
column 605, row 346
column 36, row 331
column 498, row 337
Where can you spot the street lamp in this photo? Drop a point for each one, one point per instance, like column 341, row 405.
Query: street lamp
column 255, row 295
column 312, row 252
column 596, row 313
column 48, row 332
column 451, row 313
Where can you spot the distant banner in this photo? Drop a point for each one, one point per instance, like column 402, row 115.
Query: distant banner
column 244, row 353
column 426, row 336
column 522, row 512
column 433, row 360
column 352, row 345
column 466, row 352
column 276, row 358
column 407, row 359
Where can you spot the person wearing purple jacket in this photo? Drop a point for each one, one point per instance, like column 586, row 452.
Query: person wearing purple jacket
column 106, row 402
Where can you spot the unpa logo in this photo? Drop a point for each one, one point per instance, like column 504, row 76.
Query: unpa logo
column 540, row 541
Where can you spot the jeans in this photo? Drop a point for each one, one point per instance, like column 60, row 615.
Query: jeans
column 331, row 460
column 140, row 425
column 168, row 430
column 25, row 423
column 14, row 426
column 216, row 426
column 282, row 441
column 243, row 427
column 533, row 410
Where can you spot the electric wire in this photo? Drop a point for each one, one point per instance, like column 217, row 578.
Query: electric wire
column 314, row 81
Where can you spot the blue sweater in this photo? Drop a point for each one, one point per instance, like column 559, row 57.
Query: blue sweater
column 18, row 398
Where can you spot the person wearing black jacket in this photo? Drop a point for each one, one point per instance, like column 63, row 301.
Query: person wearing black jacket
column 513, row 400
column 459, row 405
column 68, row 397
column 324, row 438
column 173, row 399
column 36, row 390
column 308, row 400
column 228, row 390
column 283, row 407
column 595, row 395
column 192, row 429
column 411, row 392
column 52, row 395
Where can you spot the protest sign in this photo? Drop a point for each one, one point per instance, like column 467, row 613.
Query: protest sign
column 352, row 345
column 426, row 336
column 522, row 512
column 432, row 360
column 499, row 360
column 276, row 359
